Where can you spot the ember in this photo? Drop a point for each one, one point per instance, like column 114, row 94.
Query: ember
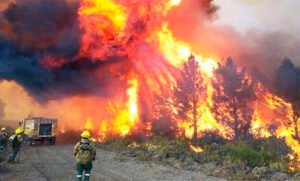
column 196, row 149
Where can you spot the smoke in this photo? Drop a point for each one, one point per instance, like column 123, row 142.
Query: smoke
column 2, row 106
column 39, row 41
column 254, row 49
column 46, row 48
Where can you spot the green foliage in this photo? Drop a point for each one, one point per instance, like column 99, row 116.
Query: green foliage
column 252, row 153
column 255, row 153
column 243, row 153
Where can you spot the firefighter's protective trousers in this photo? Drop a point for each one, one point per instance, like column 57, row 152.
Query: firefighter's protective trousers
column 13, row 155
column 87, row 168
column 3, row 144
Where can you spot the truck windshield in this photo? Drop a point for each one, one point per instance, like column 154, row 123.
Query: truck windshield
column 45, row 129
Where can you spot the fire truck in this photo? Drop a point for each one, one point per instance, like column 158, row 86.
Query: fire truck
column 39, row 129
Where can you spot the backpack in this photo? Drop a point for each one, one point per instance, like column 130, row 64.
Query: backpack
column 14, row 141
column 84, row 146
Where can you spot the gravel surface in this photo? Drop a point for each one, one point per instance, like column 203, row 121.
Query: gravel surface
column 57, row 163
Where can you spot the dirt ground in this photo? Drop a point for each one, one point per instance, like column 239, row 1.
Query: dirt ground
column 57, row 163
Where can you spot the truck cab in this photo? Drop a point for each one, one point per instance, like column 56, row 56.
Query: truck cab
column 40, row 129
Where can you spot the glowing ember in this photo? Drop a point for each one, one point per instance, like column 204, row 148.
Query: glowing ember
column 196, row 149
column 93, row 139
column 134, row 144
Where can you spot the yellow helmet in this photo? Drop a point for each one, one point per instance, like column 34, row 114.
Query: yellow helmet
column 85, row 134
column 3, row 128
column 19, row 130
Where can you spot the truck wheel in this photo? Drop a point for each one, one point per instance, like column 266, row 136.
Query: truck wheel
column 52, row 141
column 42, row 140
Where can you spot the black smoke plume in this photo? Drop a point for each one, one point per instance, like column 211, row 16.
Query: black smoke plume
column 32, row 29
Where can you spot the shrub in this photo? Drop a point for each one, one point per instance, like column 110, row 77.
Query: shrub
column 116, row 144
column 170, row 147
column 243, row 153
column 261, row 152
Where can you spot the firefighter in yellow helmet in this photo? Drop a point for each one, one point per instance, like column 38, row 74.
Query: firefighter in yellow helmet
column 3, row 138
column 85, row 153
column 15, row 141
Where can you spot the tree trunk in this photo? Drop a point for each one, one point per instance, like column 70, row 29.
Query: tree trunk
column 235, row 123
column 195, row 118
column 296, row 127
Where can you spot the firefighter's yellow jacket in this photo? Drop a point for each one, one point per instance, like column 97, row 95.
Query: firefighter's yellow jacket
column 85, row 151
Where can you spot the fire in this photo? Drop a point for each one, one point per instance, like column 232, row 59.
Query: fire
column 126, row 119
column 196, row 149
column 110, row 20
column 89, row 124
column 132, row 102
column 134, row 144
column 136, row 44
column 175, row 2
column 62, row 129
column 177, row 51
column 102, row 18
column 97, row 10
column 93, row 139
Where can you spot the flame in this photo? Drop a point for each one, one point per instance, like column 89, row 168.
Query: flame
column 93, row 139
column 62, row 129
column 132, row 102
column 175, row 2
column 196, row 149
column 126, row 119
column 104, row 19
column 134, row 144
column 89, row 124
column 178, row 51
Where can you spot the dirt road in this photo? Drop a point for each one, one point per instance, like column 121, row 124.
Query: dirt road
column 57, row 163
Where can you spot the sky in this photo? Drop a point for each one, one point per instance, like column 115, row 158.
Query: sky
column 262, row 15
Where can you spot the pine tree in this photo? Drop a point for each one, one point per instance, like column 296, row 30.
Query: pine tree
column 164, row 118
column 233, row 99
column 188, row 93
column 287, row 86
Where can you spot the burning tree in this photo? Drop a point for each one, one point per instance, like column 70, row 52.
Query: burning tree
column 287, row 85
column 163, row 123
column 188, row 92
column 233, row 99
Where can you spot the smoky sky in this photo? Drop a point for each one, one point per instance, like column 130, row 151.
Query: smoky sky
column 31, row 29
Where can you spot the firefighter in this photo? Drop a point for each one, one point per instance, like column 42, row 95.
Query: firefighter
column 31, row 138
column 15, row 142
column 3, row 138
column 85, row 153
